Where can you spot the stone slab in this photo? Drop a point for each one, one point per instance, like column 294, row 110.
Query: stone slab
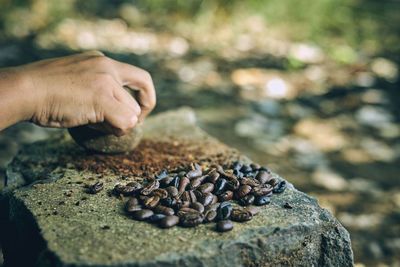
column 53, row 221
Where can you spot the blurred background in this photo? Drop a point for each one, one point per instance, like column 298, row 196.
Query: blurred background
column 307, row 88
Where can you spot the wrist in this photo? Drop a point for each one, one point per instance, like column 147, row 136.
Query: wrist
column 17, row 97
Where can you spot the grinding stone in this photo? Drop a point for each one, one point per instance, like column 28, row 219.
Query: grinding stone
column 97, row 141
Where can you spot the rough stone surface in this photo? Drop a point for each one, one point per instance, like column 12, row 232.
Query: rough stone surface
column 92, row 230
column 94, row 140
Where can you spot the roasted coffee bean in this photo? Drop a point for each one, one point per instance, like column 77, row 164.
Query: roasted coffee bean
column 211, row 207
column 195, row 172
column 246, row 200
column 224, row 211
column 226, row 196
column 142, row 198
column 206, row 199
column 253, row 210
column 150, row 187
column 263, row 177
column 151, row 202
column 246, row 169
column 243, row 190
column 210, row 215
column 213, row 176
column 172, row 191
column 262, row 190
column 232, row 183
column 237, row 165
column 219, row 186
column 180, row 204
column 160, row 192
column 251, row 174
column 214, row 200
column 206, row 188
column 185, row 196
column 288, row 206
column 219, row 169
column 164, row 210
column 132, row 205
column 192, row 196
column 168, row 202
column 255, row 166
column 163, row 174
column 273, row 182
column 182, row 185
column 176, row 181
column 262, row 200
column 142, row 215
column 279, row 188
column 189, row 217
column 95, row 188
column 124, row 190
column 198, row 194
column 241, row 215
column 169, row 221
column 156, row 217
column 224, row 226
column 249, row 181
column 197, row 206
column 195, row 183
column 166, row 181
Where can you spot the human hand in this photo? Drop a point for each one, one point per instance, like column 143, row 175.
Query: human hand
column 87, row 88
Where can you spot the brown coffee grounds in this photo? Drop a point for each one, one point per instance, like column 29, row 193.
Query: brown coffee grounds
column 149, row 158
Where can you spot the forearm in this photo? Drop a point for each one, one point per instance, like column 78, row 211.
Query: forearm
column 16, row 99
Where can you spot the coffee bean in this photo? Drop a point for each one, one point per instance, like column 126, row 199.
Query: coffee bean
column 176, row 181
column 206, row 199
column 243, row 190
column 263, row 177
column 246, row 169
column 262, row 190
column 262, row 200
column 130, row 207
column 160, row 192
column 182, row 204
column 182, row 185
column 151, row 202
column 232, row 183
column 166, row 181
column 156, row 218
column 133, row 201
column 253, row 210
column 241, row 215
column 197, row 206
column 226, row 196
column 95, row 188
column 185, row 196
column 198, row 194
column 255, row 166
column 142, row 215
column 164, row 210
column 237, row 165
column 288, row 206
column 249, row 181
column 224, row 211
column 150, row 187
column 246, row 200
column 280, row 187
column 195, row 172
column 219, row 186
column 214, row 200
column 189, row 217
column 169, row 221
column 210, row 215
column 168, row 202
column 206, row 188
column 219, row 169
column 163, row 174
column 224, row 226
column 128, row 189
column 213, row 176
column 273, row 182
column 195, row 183
column 172, row 191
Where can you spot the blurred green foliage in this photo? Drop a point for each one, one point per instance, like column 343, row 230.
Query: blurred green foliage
column 371, row 25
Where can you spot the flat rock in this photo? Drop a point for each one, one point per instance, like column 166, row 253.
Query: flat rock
column 54, row 221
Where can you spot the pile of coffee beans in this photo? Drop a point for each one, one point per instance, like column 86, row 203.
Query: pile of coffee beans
column 195, row 195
